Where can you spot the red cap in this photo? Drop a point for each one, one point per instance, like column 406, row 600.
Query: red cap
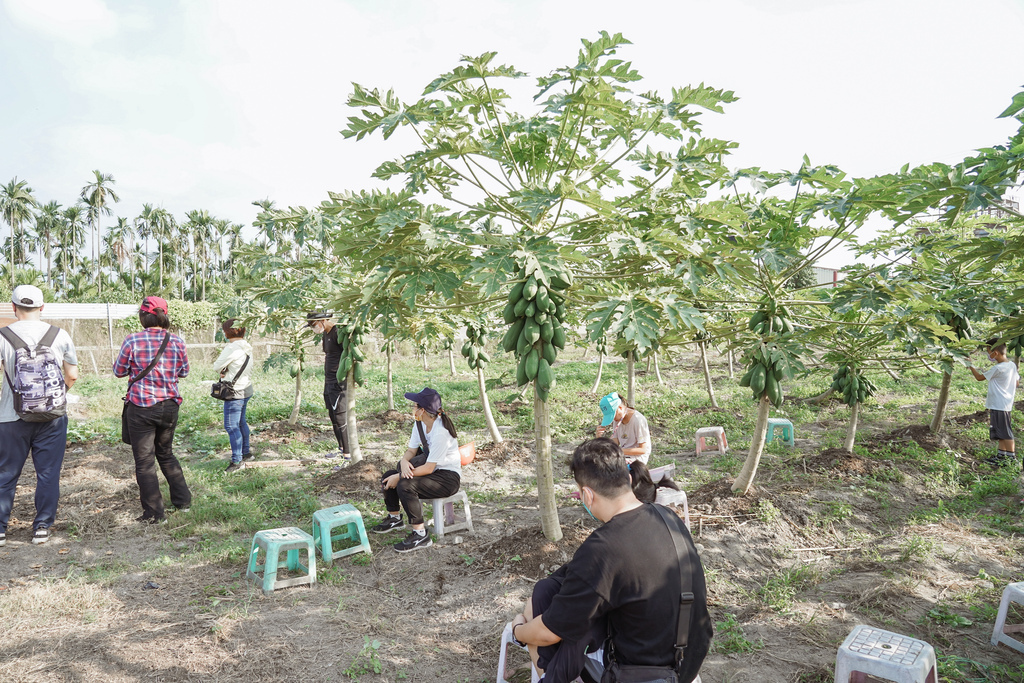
column 153, row 304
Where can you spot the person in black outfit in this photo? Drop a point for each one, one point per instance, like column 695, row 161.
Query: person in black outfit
column 334, row 391
column 623, row 582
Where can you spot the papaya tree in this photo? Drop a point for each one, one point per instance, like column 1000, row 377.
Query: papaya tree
column 533, row 194
column 475, row 353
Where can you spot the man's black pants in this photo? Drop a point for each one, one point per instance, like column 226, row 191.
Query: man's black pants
column 152, row 433
column 565, row 660
column 337, row 410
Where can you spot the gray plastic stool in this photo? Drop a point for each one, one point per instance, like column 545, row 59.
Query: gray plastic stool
column 883, row 654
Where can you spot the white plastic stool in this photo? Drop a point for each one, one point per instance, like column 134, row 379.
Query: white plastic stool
column 1012, row 593
column 718, row 433
column 444, row 514
column 667, row 496
column 506, row 641
column 659, row 473
column 872, row 651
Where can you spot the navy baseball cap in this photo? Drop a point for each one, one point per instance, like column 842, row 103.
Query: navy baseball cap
column 428, row 399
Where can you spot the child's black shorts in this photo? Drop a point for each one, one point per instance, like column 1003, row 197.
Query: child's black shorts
column 999, row 425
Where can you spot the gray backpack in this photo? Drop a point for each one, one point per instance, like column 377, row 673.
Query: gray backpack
column 37, row 383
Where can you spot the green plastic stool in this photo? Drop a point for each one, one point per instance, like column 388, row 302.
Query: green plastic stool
column 784, row 426
column 273, row 542
column 350, row 524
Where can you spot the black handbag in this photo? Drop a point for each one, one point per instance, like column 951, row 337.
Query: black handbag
column 224, row 390
column 631, row 673
column 126, row 436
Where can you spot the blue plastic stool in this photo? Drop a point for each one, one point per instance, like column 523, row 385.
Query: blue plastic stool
column 783, row 425
column 273, row 542
column 349, row 522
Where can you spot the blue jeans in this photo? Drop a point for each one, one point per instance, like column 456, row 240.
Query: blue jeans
column 47, row 441
column 236, row 427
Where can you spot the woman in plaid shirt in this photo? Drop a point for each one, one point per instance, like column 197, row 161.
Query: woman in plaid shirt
column 153, row 403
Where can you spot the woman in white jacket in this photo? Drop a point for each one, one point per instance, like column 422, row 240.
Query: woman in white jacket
column 236, row 360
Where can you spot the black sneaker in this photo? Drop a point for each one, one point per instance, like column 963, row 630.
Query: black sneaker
column 387, row 524
column 246, row 457
column 414, row 542
column 234, row 467
column 40, row 536
column 146, row 519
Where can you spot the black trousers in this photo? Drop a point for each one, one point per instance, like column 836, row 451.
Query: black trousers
column 152, row 432
column 337, row 410
column 437, row 484
column 564, row 661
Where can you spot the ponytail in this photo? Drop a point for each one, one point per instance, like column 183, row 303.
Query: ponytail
column 445, row 420
column 644, row 487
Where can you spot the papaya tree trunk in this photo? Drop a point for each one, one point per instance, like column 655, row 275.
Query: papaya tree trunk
column 600, row 369
column 451, row 361
column 350, row 415
column 486, row 403
column 545, row 474
column 707, row 374
column 746, row 476
column 893, row 375
column 731, row 373
column 649, row 358
column 424, row 354
column 851, row 431
column 631, row 375
column 391, row 386
column 294, row 417
column 940, row 405
column 657, row 370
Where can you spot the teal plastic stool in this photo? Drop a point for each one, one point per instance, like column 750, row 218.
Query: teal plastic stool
column 784, row 426
column 349, row 523
column 273, row 542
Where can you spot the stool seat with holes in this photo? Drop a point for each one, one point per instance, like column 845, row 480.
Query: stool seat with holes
column 871, row 651
column 273, row 542
column 444, row 514
column 718, row 434
column 1013, row 593
column 349, row 523
column 785, row 428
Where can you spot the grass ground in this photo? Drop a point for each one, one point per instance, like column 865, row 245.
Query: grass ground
column 912, row 533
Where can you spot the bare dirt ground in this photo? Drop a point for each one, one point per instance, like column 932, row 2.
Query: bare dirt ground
column 812, row 552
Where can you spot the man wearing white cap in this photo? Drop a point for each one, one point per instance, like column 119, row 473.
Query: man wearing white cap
column 44, row 432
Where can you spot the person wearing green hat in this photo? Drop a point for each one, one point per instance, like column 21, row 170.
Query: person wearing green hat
column 628, row 428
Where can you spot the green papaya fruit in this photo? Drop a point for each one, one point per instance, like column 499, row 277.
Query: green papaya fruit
column 543, row 300
column 508, row 342
column 530, row 310
column 521, row 378
column 530, row 290
column 777, row 372
column 757, row 379
column 548, row 352
column 540, row 318
column 358, row 355
column 517, row 293
column 558, row 337
column 294, row 369
column 560, row 312
column 509, row 314
column 357, row 373
column 745, row 380
column 465, row 349
column 772, row 389
column 532, row 331
column 547, row 331
column 532, row 363
column 483, row 357
column 557, row 282
column 545, row 375
column 756, row 320
column 523, row 345
column 342, row 377
column 520, row 309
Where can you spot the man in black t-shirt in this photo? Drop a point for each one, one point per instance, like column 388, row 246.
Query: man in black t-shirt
column 623, row 581
column 334, row 391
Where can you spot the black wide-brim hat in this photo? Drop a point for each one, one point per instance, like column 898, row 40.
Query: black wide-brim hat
column 428, row 399
column 313, row 316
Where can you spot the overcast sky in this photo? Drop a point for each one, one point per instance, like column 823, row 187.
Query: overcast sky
column 213, row 104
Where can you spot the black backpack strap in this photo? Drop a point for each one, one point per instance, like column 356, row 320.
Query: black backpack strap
column 241, row 369
column 14, row 340
column 49, row 337
column 152, row 363
column 423, row 438
column 685, row 585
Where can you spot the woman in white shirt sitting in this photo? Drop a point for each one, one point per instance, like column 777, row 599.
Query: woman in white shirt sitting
column 626, row 426
column 430, row 468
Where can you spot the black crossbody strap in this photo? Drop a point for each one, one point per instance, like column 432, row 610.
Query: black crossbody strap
column 152, row 363
column 423, row 438
column 685, row 586
column 241, row 369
